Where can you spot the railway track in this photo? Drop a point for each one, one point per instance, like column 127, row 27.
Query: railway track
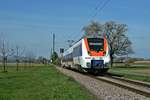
column 136, row 86
column 139, row 87
column 109, row 87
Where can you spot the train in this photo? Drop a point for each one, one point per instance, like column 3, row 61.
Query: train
column 89, row 54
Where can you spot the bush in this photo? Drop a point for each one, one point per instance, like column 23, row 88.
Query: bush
column 55, row 59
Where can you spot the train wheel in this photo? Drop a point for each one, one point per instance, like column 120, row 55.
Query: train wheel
column 105, row 70
column 80, row 69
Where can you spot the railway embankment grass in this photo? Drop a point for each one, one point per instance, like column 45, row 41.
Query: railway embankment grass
column 40, row 83
column 141, row 73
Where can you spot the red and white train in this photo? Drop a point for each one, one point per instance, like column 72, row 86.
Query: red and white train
column 90, row 54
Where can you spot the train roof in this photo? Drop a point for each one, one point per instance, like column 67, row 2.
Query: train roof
column 88, row 36
column 95, row 36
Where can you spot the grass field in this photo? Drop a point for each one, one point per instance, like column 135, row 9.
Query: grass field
column 137, row 73
column 40, row 83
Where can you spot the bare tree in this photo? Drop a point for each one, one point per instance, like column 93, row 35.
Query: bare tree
column 93, row 28
column 119, row 43
column 5, row 52
column 18, row 54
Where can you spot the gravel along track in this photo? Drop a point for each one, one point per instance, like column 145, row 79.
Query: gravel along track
column 103, row 90
column 132, row 86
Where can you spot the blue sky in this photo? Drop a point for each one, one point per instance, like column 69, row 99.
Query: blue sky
column 30, row 23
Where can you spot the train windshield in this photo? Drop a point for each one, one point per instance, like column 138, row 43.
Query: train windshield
column 96, row 44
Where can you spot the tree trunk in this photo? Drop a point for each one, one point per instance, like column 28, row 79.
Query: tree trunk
column 17, row 64
column 4, row 63
column 111, row 58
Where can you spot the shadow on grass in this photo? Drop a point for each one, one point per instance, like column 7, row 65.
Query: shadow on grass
column 114, row 74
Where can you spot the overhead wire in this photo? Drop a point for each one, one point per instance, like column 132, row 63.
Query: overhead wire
column 100, row 7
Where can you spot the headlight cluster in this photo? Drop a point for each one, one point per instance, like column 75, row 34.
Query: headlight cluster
column 88, row 64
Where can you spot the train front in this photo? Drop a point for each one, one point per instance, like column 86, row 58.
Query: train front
column 96, row 54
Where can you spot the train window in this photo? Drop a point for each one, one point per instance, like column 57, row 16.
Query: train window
column 68, row 57
column 96, row 44
column 77, row 51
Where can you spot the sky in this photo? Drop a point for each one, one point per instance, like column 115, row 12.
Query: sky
column 31, row 23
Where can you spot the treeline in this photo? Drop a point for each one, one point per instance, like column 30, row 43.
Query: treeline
column 37, row 60
column 17, row 54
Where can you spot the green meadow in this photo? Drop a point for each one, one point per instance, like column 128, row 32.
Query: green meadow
column 40, row 83
column 141, row 73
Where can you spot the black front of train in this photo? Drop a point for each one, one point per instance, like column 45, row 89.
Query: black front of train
column 97, row 66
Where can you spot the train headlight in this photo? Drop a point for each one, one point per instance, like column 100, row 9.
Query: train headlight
column 88, row 64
